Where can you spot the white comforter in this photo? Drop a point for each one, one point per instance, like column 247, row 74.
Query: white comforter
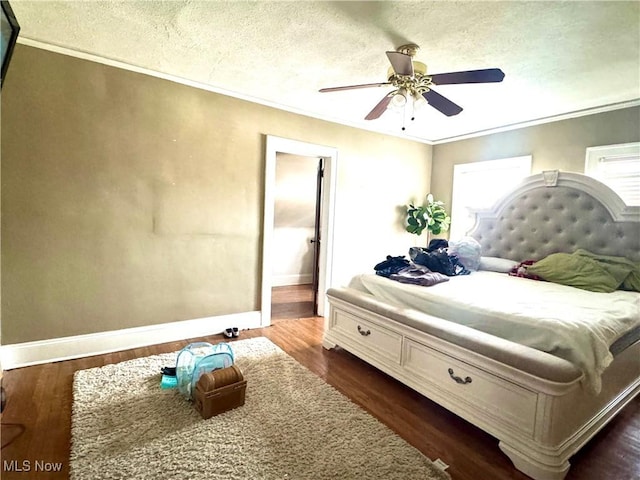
column 567, row 322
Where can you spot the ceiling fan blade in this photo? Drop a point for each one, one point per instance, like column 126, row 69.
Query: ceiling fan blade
column 488, row 75
column 441, row 103
column 380, row 108
column 352, row 87
column 401, row 63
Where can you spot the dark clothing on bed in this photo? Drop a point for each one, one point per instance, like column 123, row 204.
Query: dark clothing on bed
column 418, row 275
column 438, row 261
column 391, row 265
column 437, row 243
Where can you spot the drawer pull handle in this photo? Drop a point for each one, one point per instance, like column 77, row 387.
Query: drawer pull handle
column 362, row 332
column 461, row 381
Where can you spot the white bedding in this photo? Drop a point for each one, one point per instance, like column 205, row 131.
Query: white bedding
column 567, row 322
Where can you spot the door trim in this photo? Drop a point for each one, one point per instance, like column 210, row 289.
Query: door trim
column 330, row 155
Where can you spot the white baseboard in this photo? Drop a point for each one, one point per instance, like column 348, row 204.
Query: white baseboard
column 66, row 348
column 294, row 279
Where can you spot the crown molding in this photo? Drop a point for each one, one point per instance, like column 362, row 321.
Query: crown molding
column 202, row 86
column 539, row 121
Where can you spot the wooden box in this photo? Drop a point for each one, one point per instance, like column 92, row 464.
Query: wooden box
column 219, row 391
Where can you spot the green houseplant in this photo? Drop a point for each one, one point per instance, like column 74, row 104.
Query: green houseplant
column 431, row 216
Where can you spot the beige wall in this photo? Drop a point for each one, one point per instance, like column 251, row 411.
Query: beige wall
column 128, row 200
column 557, row 145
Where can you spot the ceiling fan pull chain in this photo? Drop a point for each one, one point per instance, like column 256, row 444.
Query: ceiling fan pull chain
column 404, row 116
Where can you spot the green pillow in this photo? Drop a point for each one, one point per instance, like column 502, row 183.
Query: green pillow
column 618, row 267
column 575, row 271
column 632, row 282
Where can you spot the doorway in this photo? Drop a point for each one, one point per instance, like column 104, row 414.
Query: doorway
column 324, row 245
column 296, row 235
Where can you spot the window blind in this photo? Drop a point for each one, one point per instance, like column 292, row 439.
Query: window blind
column 618, row 167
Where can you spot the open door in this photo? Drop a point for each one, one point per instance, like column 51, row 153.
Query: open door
column 317, row 236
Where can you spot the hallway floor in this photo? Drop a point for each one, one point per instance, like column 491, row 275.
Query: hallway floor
column 291, row 302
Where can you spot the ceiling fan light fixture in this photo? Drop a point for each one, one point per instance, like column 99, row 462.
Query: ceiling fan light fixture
column 413, row 85
column 399, row 99
column 418, row 102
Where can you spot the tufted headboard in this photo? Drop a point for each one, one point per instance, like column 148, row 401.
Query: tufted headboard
column 558, row 212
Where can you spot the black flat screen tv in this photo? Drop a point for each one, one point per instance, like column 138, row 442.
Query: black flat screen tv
column 10, row 29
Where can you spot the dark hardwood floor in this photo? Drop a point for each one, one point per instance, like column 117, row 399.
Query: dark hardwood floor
column 291, row 302
column 40, row 399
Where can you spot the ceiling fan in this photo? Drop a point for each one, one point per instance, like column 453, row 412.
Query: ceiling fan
column 411, row 83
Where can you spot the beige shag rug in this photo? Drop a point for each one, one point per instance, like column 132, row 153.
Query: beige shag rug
column 292, row 426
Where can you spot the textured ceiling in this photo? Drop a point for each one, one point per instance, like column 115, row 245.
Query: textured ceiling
column 559, row 57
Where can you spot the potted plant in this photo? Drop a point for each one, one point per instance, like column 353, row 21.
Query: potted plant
column 431, row 216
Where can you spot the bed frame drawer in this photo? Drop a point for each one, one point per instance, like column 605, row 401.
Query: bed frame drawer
column 361, row 334
column 467, row 386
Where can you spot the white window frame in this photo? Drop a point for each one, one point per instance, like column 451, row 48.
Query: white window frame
column 596, row 159
column 461, row 220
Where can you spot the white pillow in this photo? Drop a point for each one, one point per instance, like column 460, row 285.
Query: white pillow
column 496, row 264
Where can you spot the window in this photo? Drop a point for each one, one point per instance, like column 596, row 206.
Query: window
column 480, row 185
column 618, row 167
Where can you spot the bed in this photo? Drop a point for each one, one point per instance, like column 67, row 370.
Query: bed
column 542, row 401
